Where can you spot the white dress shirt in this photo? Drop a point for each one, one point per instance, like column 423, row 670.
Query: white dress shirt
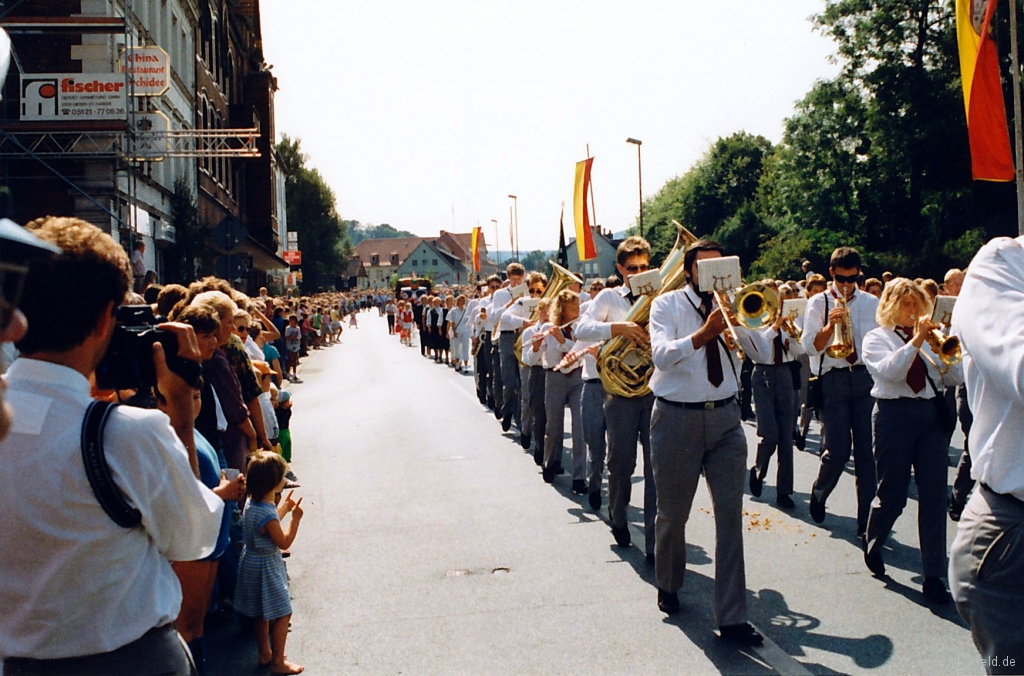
column 73, row 582
column 499, row 299
column 764, row 344
column 552, row 352
column 596, row 319
column 862, row 307
column 889, row 359
column 530, row 358
column 989, row 319
column 513, row 318
column 680, row 370
column 254, row 351
column 455, row 316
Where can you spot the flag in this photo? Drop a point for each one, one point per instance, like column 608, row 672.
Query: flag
column 983, row 94
column 563, row 250
column 475, row 246
column 584, row 235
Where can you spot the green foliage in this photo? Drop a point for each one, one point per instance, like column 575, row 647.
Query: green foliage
column 185, row 260
column 313, row 214
column 538, row 260
column 357, row 232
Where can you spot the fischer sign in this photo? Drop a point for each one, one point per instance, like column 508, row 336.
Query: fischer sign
column 73, row 96
column 149, row 68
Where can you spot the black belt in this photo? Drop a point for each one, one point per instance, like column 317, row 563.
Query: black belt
column 699, row 405
column 1002, row 495
column 592, row 380
column 853, row 367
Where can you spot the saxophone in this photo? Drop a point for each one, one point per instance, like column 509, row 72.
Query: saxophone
column 626, row 367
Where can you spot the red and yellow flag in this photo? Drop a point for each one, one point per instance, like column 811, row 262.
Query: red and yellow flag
column 584, row 235
column 475, row 246
column 983, row 94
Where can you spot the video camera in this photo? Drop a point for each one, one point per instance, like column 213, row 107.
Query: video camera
column 128, row 363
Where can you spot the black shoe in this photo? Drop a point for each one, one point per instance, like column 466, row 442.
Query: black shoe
column 579, row 486
column 621, row 536
column 538, row 456
column 784, row 501
column 741, row 633
column 668, row 602
column 799, row 441
column 956, row 510
column 756, row 483
column 595, row 501
column 506, row 423
column 490, row 403
column 524, row 441
column 935, row 591
column 873, row 560
column 548, row 474
column 497, row 412
column 817, row 509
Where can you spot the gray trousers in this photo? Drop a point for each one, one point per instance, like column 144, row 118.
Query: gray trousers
column 525, row 415
column 963, row 483
column 594, row 432
column 561, row 390
column 627, row 419
column 775, row 402
column 907, row 434
column 495, row 375
column 684, row 443
column 159, row 652
column 986, row 577
column 539, row 414
column 509, row 376
column 848, row 407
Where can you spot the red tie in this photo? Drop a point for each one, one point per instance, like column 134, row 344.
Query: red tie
column 715, row 375
column 918, row 371
column 777, row 344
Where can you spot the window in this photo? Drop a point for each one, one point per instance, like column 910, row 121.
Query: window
column 434, row 262
column 415, row 262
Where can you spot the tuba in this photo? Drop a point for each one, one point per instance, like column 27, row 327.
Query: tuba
column 561, row 278
column 625, row 367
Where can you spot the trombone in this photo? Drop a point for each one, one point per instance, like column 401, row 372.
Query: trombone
column 754, row 306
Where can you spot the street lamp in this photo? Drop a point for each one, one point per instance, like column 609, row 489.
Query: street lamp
column 515, row 245
column 497, row 249
column 640, row 180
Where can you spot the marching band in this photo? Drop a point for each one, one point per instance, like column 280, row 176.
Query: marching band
column 658, row 362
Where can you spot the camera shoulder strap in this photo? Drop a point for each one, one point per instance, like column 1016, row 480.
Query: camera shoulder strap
column 98, row 472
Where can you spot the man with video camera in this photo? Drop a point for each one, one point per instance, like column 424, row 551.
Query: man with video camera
column 81, row 593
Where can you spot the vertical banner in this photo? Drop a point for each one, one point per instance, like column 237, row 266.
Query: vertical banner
column 584, row 235
column 983, row 94
column 476, row 249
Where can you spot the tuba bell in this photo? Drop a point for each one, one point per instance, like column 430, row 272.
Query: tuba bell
column 561, row 278
column 626, row 367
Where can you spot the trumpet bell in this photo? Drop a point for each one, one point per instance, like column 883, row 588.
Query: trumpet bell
column 947, row 347
column 755, row 306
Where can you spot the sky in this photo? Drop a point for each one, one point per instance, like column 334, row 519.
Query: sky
column 413, row 111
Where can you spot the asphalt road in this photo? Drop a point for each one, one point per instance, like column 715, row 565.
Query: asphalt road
column 431, row 545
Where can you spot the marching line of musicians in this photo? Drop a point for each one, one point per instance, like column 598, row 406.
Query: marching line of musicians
column 884, row 399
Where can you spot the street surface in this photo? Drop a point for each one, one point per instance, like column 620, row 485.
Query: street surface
column 430, row 545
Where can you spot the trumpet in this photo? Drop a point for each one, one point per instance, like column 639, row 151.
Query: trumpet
column 754, row 306
column 789, row 326
column 842, row 345
column 947, row 347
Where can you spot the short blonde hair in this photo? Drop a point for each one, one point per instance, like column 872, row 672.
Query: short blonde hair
column 219, row 301
column 895, row 293
column 564, row 298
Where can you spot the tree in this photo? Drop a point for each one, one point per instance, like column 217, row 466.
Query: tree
column 185, row 258
column 357, row 232
column 538, row 260
column 313, row 215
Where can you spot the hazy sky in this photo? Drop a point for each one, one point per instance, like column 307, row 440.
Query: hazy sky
column 411, row 108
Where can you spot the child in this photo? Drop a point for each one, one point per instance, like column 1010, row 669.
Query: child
column 283, row 412
column 293, row 343
column 352, row 321
column 262, row 591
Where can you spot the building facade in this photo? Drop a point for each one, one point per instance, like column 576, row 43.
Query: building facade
column 601, row 266
column 385, row 258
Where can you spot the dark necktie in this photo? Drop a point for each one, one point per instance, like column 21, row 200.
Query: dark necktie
column 918, row 371
column 777, row 344
column 715, row 376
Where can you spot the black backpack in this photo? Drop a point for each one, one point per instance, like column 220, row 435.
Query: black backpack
column 106, row 491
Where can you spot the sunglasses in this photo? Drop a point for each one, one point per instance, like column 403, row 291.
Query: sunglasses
column 845, row 279
column 536, row 292
column 243, row 328
column 637, row 268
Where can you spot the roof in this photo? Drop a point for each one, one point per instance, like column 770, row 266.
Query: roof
column 353, row 268
column 383, row 248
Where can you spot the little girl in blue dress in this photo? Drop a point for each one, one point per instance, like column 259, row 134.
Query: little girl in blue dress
column 262, row 589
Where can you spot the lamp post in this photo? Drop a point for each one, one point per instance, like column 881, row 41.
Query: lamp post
column 515, row 245
column 640, row 180
column 497, row 249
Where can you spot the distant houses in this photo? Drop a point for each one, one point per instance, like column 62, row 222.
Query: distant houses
column 447, row 258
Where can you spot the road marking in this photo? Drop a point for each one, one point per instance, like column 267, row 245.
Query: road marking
column 779, row 659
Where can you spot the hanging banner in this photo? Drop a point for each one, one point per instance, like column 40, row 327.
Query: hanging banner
column 73, row 96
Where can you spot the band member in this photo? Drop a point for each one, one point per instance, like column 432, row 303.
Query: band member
column 625, row 418
column 488, row 349
column 986, row 560
column 561, row 390
column 532, row 356
column 908, row 432
column 517, row 318
column 508, row 365
column 695, row 429
column 418, row 312
column 846, row 384
column 775, row 388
